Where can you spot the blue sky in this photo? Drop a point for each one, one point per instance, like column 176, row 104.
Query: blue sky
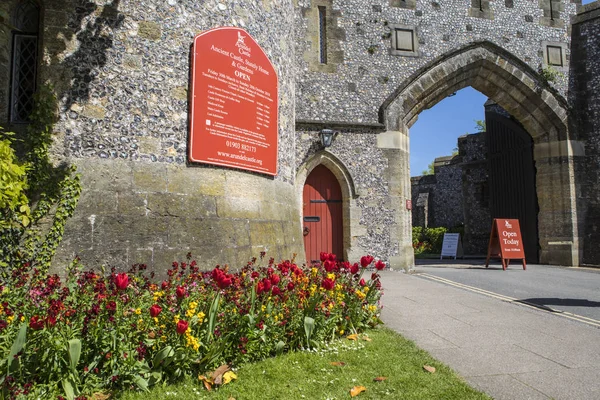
column 435, row 132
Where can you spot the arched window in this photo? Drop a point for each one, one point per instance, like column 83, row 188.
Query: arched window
column 26, row 20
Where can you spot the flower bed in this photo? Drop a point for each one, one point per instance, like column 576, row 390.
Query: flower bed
column 94, row 333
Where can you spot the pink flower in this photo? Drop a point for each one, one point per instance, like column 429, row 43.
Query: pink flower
column 379, row 265
column 365, row 261
column 121, row 281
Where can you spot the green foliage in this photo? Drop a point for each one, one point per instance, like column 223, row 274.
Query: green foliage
column 95, row 332
column 480, row 125
column 549, row 74
column 430, row 170
column 14, row 208
column 42, row 196
column 428, row 240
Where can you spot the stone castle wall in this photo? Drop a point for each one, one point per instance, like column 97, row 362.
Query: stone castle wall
column 121, row 72
column 584, row 98
column 354, row 88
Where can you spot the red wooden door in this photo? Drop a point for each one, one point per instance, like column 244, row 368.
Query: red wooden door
column 322, row 214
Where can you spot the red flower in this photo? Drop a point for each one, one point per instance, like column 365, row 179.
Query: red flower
column 266, row 284
column 164, row 285
column 111, row 306
column 121, row 281
column 331, row 257
column 155, row 310
column 275, row 279
column 36, row 323
column 51, row 320
column 365, row 261
column 324, row 256
column 221, row 278
column 329, row 265
column 379, row 265
column 362, row 282
column 276, row 291
column 180, row 292
column 290, row 286
column 354, row 269
column 328, row 284
column 182, row 327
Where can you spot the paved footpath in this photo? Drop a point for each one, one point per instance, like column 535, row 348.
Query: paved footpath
column 509, row 351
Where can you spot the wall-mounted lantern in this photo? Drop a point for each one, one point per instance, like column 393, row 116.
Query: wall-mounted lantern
column 327, row 136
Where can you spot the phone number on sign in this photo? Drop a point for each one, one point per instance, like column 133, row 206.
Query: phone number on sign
column 240, row 146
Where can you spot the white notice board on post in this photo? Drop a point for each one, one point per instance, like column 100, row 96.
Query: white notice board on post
column 452, row 246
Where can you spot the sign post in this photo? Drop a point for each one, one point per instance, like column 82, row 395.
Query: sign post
column 451, row 246
column 233, row 102
column 506, row 242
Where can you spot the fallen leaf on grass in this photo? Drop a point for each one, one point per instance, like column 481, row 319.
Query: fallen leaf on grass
column 367, row 339
column 337, row 363
column 100, row 396
column 354, row 336
column 228, row 377
column 356, row 390
column 217, row 375
column 231, row 398
column 208, row 382
column 380, row 379
column 429, row 368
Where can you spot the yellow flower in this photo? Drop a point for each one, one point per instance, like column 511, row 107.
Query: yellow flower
column 190, row 313
column 366, row 289
column 138, row 311
column 10, row 319
column 193, row 304
column 176, row 318
column 314, row 271
column 360, row 294
column 156, row 320
column 331, row 276
column 22, row 318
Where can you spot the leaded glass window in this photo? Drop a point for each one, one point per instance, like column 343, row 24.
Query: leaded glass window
column 24, row 60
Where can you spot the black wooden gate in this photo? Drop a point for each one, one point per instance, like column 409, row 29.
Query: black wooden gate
column 512, row 178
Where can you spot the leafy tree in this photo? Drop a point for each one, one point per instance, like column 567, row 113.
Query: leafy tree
column 429, row 170
column 480, row 125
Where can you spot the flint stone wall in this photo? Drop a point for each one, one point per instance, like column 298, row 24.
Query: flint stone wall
column 584, row 99
column 121, row 73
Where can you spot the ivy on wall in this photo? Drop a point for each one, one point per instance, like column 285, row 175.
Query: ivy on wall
column 39, row 197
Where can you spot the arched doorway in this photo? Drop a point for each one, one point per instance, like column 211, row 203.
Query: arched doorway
column 520, row 90
column 322, row 214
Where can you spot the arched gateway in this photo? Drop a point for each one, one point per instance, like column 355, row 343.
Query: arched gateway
column 524, row 94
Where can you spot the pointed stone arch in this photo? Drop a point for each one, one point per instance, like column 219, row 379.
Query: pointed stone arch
column 350, row 212
column 521, row 91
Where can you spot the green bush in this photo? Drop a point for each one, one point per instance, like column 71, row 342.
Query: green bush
column 428, row 240
column 33, row 190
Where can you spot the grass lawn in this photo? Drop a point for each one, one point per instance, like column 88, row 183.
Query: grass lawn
column 310, row 375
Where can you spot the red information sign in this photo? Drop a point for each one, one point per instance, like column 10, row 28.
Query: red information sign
column 506, row 242
column 234, row 106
